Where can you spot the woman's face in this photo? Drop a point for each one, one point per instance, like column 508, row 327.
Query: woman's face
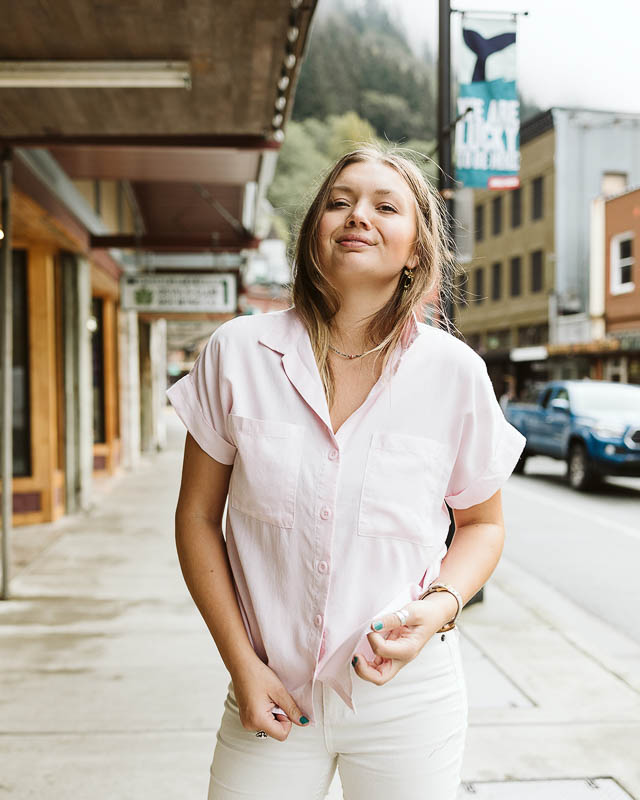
column 367, row 232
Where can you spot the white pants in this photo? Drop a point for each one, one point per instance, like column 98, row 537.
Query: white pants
column 405, row 743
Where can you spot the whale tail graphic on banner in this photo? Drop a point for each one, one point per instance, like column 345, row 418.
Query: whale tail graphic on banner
column 483, row 48
column 487, row 140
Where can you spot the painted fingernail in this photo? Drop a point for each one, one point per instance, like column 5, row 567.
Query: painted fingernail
column 303, row 720
column 354, row 661
column 377, row 625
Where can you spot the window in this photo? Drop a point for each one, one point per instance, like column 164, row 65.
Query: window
column 21, row 427
column 496, row 281
column 479, row 223
column 536, row 271
column 613, row 182
column 58, row 316
column 97, row 348
column 516, row 270
column 516, row 208
column 536, row 198
column 622, row 263
column 478, row 288
column 532, row 335
column 499, row 340
column 546, row 397
column 496, row 221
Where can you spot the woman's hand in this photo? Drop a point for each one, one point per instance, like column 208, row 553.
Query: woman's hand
column 394, row 645
column 258, row 690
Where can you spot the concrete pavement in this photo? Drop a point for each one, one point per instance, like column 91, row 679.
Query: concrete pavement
column 111, row 687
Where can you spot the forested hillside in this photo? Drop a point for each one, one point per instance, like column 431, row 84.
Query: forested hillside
column 360, row 80
column 361, row 61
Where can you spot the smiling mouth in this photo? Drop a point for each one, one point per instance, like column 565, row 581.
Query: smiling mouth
column 354, row 243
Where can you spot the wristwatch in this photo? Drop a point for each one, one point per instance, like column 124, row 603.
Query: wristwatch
column 444, row 587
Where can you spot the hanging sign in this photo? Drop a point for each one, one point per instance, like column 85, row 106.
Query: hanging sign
column 180, row 292
column 487, row 139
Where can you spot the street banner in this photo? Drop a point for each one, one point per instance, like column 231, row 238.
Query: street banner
column 487, row 138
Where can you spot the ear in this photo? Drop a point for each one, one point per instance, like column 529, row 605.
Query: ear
column 412, row 263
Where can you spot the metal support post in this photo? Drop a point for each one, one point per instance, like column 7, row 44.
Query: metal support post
column 445, row 130
column 6, row 367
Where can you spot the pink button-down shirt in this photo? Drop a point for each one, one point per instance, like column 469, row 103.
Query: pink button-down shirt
column 325, row 532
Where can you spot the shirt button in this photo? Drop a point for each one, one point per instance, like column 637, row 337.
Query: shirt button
column 318, row 620
column 333, row 454
column 325, row 513
column 323, row 567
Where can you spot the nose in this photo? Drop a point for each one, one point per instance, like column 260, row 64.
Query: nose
column 359, row 216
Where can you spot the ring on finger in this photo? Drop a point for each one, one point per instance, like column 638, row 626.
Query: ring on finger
column 261, row 734
column 403, row 615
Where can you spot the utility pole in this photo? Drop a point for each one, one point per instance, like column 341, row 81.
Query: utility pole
column 445, row 175
column 6, row 371
column 445, row 130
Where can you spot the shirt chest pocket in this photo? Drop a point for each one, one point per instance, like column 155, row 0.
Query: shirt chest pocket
column 264, row 479
column 403, row 488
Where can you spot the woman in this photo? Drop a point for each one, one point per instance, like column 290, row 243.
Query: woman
column 339, row 428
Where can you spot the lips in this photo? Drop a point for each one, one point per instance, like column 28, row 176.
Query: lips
column 352, row 238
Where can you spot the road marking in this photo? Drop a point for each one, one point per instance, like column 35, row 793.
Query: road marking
column 589, row 516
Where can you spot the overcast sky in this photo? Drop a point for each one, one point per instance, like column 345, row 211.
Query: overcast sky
column 569, row 52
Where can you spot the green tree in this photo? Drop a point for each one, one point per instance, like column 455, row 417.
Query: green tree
column 302, row 159
column 345, row 132
column 391, row 115
column 361, row 61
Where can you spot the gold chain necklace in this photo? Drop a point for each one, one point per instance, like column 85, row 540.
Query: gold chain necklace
column 354, row 355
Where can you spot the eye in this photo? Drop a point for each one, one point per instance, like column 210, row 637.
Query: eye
column 387, row 207
column 337, row 203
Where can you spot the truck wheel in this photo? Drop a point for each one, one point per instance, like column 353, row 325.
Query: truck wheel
column 520, row 464
column 579, row 471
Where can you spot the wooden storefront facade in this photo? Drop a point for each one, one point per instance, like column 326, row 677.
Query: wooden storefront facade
column 40, row 248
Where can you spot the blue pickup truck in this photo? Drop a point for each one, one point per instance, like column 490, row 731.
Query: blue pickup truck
column 593, row 425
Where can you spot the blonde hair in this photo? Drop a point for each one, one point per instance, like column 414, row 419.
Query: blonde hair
column 317, row 301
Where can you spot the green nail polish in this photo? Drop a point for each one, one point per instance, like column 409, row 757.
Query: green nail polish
column 303, row 720
column 378, row 626
column 354, row 660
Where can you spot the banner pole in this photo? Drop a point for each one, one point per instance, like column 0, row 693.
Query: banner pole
column 478, row 13
column 6, row 379
column 445, row 178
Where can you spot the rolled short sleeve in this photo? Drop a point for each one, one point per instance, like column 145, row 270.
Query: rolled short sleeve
column 202, row 399
column 489, row 446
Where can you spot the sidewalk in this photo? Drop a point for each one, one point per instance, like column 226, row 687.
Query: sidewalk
column 112, row 688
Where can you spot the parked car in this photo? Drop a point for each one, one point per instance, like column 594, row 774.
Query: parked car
column 593, row 425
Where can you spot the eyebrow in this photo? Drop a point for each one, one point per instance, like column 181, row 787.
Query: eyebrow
column 377, row 191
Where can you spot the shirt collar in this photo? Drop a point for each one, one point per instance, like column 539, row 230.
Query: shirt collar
column 284, row 335
column 411, row 332
column 284, row 332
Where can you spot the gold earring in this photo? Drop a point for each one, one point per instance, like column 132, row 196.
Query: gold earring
column 408, row 278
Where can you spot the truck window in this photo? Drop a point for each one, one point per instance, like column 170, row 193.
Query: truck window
column 546, row 397
column 563, row 394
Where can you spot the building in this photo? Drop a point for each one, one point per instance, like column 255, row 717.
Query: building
column 66, row 401
column 622, row 297
column 526, row 292
column 614, row 301
column 127, row 170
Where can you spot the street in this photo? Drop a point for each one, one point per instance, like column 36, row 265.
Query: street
column 587, row 546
